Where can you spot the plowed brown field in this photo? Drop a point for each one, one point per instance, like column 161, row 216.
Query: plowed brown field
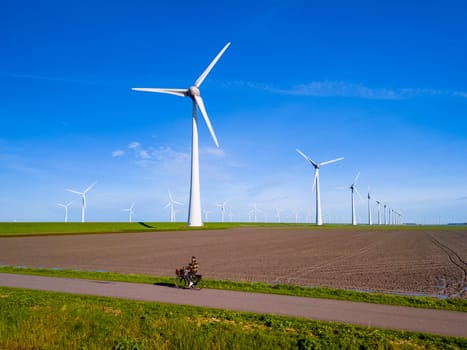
column 408, row 261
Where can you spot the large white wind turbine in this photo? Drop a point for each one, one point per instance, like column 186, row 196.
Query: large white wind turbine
column 194, row 212
column 171, row 205
column 131, row 212
column 222, row 207
column 353, row 189
column 83, row 197
column 319, row 218
column 66, row 209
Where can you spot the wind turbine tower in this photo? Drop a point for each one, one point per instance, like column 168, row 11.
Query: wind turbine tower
column 353, row 189
column 317, row 166
column 193, row 92
column 83, row 198
column 66, row 209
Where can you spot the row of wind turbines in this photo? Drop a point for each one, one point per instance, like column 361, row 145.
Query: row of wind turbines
column 131, row 213
column 195, row 211
column 393, row 217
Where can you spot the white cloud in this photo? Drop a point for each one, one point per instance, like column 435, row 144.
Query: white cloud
column 118, row 153
column 144, row 154
column 328, row 88
column 342, row 89
column 212, row 152
column 134, row 145
column 460, row 94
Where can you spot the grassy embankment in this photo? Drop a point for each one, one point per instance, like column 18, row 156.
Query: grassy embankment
column 45, row 320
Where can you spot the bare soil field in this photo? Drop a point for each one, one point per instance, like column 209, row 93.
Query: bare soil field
column 431, row 262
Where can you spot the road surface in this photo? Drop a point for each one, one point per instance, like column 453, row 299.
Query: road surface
column 442, row 322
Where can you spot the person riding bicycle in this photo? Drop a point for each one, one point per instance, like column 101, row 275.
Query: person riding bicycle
column 192, row 269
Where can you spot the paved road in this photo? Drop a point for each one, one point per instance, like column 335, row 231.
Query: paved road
column 392, row 317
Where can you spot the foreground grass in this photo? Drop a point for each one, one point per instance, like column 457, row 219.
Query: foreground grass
column 24, row 229
column 453, row 304
column 45, row 320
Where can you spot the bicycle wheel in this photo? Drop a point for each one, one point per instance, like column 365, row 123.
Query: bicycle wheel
column 197, row 281
column 180, row 282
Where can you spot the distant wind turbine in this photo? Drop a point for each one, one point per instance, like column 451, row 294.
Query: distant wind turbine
column 384, row 214
column 222, row 207
column 193, row 92
column 171, row 205
column 317, row 166
column 353, row 189
column 83, row 197
column 206, row 212
column 131, row 212
column 278, row 215
column 370, row 219
column 379, row 213
column 231, row 215
column 254, row 211
column 66, row 209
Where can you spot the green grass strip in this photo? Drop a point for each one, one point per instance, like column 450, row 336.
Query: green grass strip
column 454, row 304
column 24, row 229
column 48, row 320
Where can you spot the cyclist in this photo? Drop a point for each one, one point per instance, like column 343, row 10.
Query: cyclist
column 192, row 269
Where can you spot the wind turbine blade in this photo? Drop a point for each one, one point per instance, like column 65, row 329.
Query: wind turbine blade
column 203, row 76
column 200, row 103
column 170, row 197
column 73, row 191
column 168, row 205
column 356, row 178
column 87, row 189
column 307, row 158
column 175, row 202
column 177, row 92
column 331, row 161
column 69, row 204
column 356, row 190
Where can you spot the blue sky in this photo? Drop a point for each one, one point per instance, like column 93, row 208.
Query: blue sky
column 383, row 84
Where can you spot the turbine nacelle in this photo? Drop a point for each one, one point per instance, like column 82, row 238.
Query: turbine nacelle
column 193, row 92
